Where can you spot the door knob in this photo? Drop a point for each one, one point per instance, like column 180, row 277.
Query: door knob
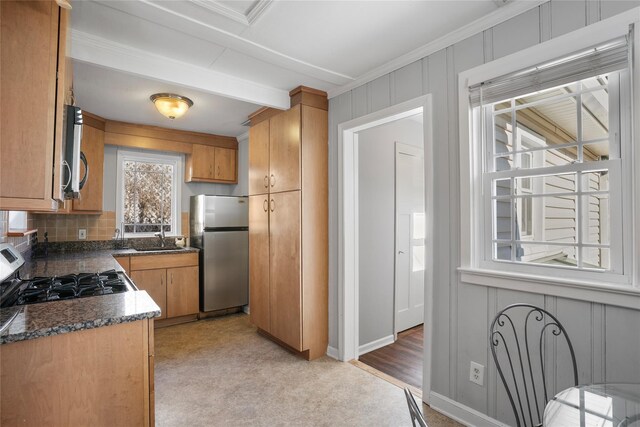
column 400, row 252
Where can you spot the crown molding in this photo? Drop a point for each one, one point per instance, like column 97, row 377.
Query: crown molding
column 247, row 19
column 490, row 20
column 96, row 50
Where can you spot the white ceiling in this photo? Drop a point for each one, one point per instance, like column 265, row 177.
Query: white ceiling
column 231, row 57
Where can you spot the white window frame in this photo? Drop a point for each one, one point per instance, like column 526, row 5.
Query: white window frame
column 620, row 289
column 138, row 156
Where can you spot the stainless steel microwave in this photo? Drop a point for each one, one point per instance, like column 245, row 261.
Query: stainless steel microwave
column 72, row 152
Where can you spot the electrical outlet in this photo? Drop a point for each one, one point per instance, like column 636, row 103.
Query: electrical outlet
column 476, row 373
column 82, row 234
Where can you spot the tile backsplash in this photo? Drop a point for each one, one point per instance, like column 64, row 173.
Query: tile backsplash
column 20, row 243
column 64, row 228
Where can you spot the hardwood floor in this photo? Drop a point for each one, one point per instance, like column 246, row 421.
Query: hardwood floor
column 402, row 359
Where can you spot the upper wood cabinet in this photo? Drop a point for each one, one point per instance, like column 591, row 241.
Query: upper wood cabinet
column 274, row 153
column 284, row 151
column 32, row 90
column 212, row 164
column 259, row 158
column 90, row 200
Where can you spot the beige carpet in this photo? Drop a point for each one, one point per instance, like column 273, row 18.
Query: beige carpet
column 220, row 372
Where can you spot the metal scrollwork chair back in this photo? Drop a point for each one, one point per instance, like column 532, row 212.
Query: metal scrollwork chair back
column 417, row 419
column 515, row 334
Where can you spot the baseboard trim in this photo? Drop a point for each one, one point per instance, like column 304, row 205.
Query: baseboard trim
column 461, row 413
column 333, row 353
column 374, row 345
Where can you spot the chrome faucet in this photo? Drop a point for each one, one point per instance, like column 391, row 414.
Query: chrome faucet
column 161, row 233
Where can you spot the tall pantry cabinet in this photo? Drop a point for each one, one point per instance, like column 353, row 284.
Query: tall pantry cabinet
column 288, row 237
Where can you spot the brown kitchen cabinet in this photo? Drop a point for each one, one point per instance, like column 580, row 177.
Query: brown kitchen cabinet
column 182, row 291
column 259, row 158
column 155, row 283
column 90, row 200
column 288, row 242
column 34, row 84
column 212, row 164
column 93, row 377
column 274, row 153
column 259, row 259
column 172, row 281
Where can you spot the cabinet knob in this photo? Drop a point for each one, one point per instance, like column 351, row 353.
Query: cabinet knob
column 266, row 181
column 265, row 205
column 273, row 205
column 273, row 180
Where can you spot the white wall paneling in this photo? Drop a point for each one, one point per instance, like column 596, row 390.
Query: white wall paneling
column 605, row 336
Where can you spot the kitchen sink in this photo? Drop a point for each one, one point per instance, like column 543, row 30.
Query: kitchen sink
column 158, row 248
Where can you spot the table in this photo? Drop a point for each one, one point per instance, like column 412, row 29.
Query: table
column 597, row 405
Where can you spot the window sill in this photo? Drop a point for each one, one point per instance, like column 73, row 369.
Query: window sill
column 618, row 295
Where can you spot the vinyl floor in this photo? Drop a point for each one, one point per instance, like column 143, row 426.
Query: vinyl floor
column 220, row 372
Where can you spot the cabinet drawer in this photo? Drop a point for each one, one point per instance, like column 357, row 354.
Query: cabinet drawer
column 150, row 262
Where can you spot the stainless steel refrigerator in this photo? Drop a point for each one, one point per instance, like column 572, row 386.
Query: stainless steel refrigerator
column 219, row 227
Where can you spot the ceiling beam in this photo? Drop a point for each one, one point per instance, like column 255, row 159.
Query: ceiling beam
column 175, row 15
column 96, row 50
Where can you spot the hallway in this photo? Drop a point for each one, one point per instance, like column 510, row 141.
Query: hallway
column 402, row 359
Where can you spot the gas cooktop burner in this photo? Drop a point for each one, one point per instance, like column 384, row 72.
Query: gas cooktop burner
column 44, row 289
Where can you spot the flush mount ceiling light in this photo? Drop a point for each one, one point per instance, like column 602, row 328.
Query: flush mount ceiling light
column 171, row 105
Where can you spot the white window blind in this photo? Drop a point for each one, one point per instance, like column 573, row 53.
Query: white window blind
column 601, row 59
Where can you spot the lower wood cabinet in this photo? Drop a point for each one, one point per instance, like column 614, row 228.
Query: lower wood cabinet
column 171, row 280
column 182, row 291
column 155, row 283
column 93, row 377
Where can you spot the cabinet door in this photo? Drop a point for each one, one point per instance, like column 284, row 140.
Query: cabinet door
column 155, row 283
column 259, row 261
column 284, row 151
column 202, row 161
column 28, row 53
column 259, row 158
column 225, row 164
column 93, row 148
column 182, row 291
column 285, row 292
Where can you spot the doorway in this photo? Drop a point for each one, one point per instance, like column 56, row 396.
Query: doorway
column 391, row 241
column 351, row 299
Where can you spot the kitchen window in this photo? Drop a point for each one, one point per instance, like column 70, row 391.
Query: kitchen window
column 148, row 196
column 550, row 152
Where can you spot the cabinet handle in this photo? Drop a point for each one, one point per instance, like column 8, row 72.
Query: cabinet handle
column 266, row 181
column 273, row 180
column 265, row 205
column 273, row 205
column 218, row 171
column 172, row 278
column 161, row 280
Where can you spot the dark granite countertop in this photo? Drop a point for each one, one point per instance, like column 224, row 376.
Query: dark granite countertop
column 58, row 264
column 60, row 317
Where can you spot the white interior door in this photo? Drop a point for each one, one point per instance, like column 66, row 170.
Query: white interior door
column 410, row 237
